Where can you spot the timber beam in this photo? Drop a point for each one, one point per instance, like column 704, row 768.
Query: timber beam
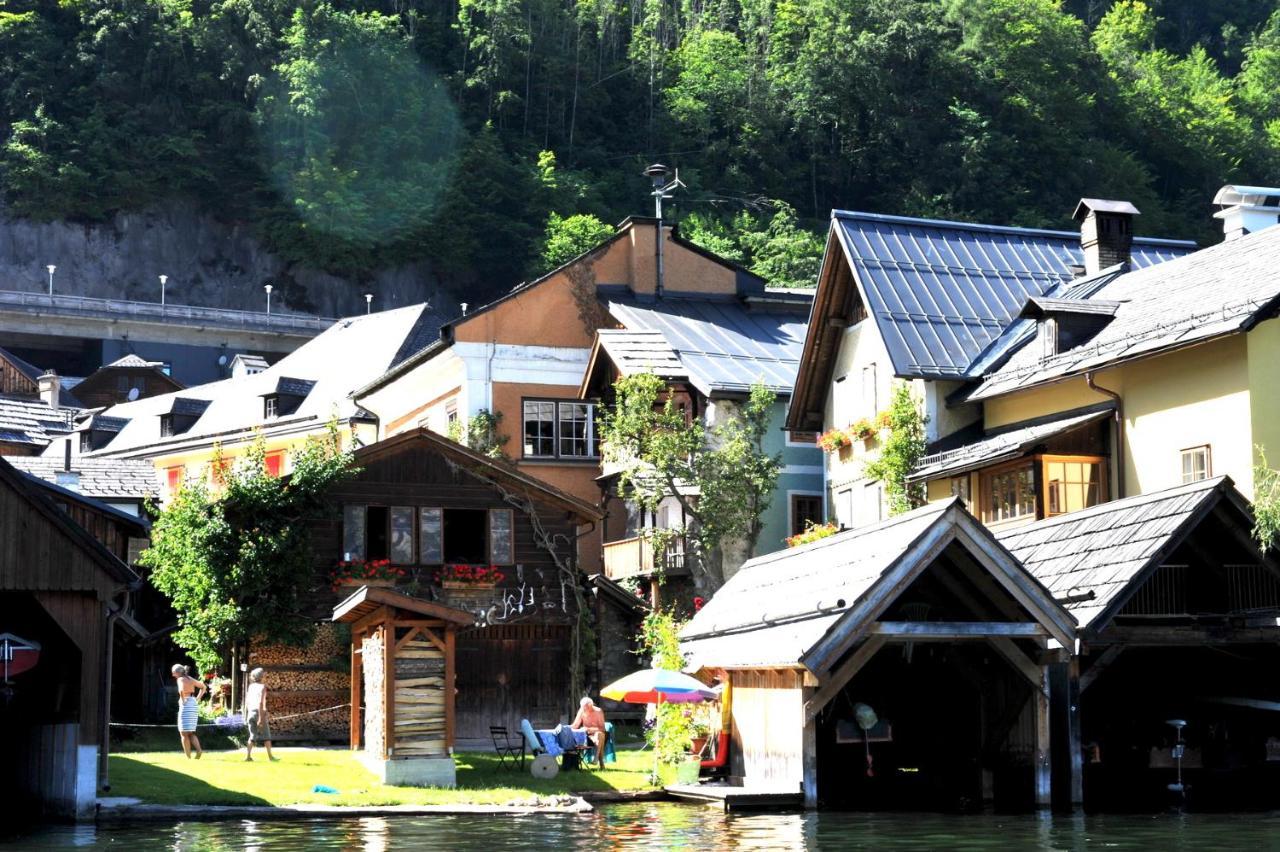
column 1179, row 635
column 926, row 631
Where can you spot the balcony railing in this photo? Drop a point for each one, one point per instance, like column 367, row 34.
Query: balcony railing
column 634, row 557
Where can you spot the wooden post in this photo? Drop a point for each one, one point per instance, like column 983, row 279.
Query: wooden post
column 1073, row 732
column 388, row 687
column 450, row 634
column 1043, row 744
column 809, row 747
column 357, row 674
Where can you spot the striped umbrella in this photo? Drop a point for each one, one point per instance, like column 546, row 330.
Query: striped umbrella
column 657, row 686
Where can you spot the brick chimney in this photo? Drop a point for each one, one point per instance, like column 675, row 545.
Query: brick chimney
column 50, row 387
column 1106, row 232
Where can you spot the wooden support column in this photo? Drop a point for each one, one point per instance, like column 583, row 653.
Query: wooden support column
column 450, row 635
column 388, row 688
column 357, row 675
column 1073, row 732
column 1042, row 754
column 809, row 756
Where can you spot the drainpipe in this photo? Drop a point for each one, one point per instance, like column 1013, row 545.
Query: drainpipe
column 657, row 251
column 1119, row 418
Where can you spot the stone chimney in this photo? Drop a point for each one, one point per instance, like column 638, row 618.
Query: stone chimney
column 1246, row 209
column 1106, row 232
column 50, row 387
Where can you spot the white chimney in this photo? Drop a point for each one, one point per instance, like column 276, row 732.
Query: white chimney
column 50, row 386
column 1246, row 209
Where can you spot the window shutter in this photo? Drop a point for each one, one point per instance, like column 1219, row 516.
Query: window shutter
column 501, row 537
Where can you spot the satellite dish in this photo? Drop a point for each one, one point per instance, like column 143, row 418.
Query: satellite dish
column 222, row 360
column 133, row 394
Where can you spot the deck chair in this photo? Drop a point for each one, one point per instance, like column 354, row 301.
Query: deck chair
column 610, row 753
column 717, row 766
column 506, row 748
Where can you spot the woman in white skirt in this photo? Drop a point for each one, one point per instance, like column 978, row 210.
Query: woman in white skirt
column 190, row 691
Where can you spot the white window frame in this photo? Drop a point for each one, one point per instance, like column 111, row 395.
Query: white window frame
column 1207, row 451
column 556, row 455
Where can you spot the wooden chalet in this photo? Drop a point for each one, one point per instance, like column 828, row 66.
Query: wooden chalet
column 1178, row 621
column 62, row 593
column 924, row 618
column 425, row 505
column 403, row 675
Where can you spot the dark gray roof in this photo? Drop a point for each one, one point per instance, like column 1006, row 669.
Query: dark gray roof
column 1219, row 290
column 424, row 332
column 941, row 292
column 31, row 421
column 289, row 386
column 725, row 346
column 58, row 492
column 1047, row 306
column 101, row 478
column 1103, row 549
column 102, row 423
column 779, row 609
column 641, row 351
column 1008, row 444
column 187, row 405
column 28, row 369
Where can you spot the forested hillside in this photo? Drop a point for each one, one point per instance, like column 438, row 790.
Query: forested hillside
column 355, row 135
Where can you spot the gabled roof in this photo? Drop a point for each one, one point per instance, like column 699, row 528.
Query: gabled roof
column 105, row 479
column 1220, row 290
column 941, row 291
column 27, row 369
column 190, row 407
column 367, row 600
column 639, row 351
column 788, row 608
column 483, row 467
column 344, row 357
column 132, row 360
column 724, row 345
column 1096, row 558
column 1009, row 443
column 31, row 421
column 140, row 525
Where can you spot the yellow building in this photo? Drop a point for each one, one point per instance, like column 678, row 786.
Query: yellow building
column 283, row 404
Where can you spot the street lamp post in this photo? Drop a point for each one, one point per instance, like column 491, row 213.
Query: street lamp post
column 163, row 279
column 368, row 303
column 268, row 289
column 52, row 269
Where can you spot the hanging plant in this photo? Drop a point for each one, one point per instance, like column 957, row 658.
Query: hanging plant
column 833, row 441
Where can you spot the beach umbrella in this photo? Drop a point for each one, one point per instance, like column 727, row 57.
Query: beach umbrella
column 657, row 686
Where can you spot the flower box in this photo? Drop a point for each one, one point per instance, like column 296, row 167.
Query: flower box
column 469, row 576
column 460, row 584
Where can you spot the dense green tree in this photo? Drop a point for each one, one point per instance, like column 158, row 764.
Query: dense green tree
column 568, row 237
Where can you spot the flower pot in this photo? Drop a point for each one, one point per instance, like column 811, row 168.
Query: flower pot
column 459, row 584
column 698, row 744
column 687, row 771
column 358, row 582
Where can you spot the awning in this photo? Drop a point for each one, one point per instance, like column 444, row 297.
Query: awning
column 1007, row 445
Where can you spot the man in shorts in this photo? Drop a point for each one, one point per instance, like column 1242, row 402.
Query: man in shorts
column 256, row 715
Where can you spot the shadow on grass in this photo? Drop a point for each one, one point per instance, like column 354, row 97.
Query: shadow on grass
column 160, row 786
column 477, row 770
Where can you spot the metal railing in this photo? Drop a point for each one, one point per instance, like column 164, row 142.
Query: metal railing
column 89, row 306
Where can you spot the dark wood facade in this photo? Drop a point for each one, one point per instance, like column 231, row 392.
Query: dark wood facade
column 415, row 496
column 111, row 385
column 16, row 377
column 58, row 587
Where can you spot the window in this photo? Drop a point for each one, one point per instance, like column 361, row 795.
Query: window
column 428, row 536
column 501, row 538
column 1073, row 484
column 805, row 508
column 1009, row 494
column 1196, row 464
column 960, row 488
column 805, row 438
column 431, row 535
column 402, row 523
column 274, row 463
column 353, row 526
column 166, row 425
column 554, row 429
column 173, row 479
column 271, row 407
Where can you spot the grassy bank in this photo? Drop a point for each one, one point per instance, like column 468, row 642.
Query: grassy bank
column 225, row 778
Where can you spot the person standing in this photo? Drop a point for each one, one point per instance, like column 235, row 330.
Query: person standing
column 256, row 715
column 190, row 691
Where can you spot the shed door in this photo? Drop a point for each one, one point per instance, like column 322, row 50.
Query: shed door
column 508, row 673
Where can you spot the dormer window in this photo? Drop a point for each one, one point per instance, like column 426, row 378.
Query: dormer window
column 286, row 398
column 182, row 416
column 1064, row 324
column 100, row 432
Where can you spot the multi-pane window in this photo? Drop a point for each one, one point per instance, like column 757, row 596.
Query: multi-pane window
column 1010, row 493
column 1073, row 484
column 271, row 407
column 960, row 488
column 1196, row 464
column 409, row 535
column 555, row 429
column 805, row 508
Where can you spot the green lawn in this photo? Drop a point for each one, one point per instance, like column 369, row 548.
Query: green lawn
column 225, row 778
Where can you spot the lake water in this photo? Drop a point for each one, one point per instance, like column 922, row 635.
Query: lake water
column 674, row 826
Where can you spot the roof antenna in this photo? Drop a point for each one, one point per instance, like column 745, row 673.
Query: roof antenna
column 662, row 189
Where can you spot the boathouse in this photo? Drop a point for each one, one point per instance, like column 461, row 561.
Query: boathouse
column 61, row 593
column 925, row 620
column 1177, row 610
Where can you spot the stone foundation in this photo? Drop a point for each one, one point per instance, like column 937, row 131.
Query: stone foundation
column 413, row 771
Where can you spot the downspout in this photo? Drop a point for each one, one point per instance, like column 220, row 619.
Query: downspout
column 657, row 253
column 1119, row 418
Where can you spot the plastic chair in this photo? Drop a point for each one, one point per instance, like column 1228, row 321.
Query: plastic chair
column 610, row 753
column 718, row 764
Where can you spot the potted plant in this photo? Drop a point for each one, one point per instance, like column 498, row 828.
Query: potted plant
column 701, row 734
column 469, row 576
column 833, row 440
column 362, row 572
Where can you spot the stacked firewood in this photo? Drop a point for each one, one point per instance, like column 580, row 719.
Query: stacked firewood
column 373, row 681
column 419, row 699
column 308, row 693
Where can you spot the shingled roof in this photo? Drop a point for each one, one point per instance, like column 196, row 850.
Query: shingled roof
column 33, row 422
column 105, row 479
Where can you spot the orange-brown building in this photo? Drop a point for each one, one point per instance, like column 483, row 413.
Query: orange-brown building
column 522, row 357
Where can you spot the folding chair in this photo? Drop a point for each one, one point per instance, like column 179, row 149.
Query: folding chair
column 506, row 748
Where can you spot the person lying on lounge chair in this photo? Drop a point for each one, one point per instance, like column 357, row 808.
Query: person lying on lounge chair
column 591, row 719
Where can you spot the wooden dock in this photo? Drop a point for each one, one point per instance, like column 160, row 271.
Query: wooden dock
column 739, row 798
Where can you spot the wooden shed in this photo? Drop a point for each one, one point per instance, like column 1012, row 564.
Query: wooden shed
column 926, row 619
column 402, row 672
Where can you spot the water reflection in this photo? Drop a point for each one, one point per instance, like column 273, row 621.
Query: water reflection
column 672, row 826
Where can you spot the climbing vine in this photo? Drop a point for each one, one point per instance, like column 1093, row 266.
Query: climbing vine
column 900, row 452
column 673, row 728
column 1266, row 503
column 481, row 433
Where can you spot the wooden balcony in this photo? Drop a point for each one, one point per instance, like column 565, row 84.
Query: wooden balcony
column 634, row 557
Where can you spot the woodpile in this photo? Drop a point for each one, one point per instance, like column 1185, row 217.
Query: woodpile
column 307, row 681
column 419, row 699
column 327, row 647
column 371, row 652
